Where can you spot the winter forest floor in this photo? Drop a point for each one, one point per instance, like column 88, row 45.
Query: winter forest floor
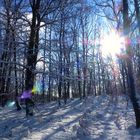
column 94, row 118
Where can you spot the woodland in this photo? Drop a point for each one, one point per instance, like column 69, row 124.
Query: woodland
column 68, row 49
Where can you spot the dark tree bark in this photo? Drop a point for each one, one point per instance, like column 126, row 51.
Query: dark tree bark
column 15, row 69
column 50, row 66
column 32, row 49
column 126, row 26
column 60, row 67
column 78, row 64
column 136, row 4
column 137, row 13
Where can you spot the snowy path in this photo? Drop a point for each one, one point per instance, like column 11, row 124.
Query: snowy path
column 96, row 118
column 50, row 123
column 58, row 125
column 107, row 121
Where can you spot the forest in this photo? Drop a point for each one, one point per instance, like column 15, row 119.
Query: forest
column 69, row 52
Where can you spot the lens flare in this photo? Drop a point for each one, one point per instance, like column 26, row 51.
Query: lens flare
column 34, row 90
column 10, row 103
column 26, row 94
column 112, row 43
column 37, row 88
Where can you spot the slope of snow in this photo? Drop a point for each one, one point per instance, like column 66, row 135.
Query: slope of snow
column 94, row 118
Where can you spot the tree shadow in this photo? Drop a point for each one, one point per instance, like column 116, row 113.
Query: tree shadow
column 46, row 116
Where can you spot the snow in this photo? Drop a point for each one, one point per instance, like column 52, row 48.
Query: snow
column 93, row 118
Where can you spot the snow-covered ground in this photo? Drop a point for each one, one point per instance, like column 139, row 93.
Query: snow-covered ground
column 94, row 118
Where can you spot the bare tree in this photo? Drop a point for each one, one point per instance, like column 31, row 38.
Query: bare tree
column 133, row 98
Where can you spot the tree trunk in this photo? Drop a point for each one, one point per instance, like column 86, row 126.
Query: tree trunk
column 32, row 49
column 126, row 26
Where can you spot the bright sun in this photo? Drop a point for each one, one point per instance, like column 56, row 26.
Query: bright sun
column 111, row 44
